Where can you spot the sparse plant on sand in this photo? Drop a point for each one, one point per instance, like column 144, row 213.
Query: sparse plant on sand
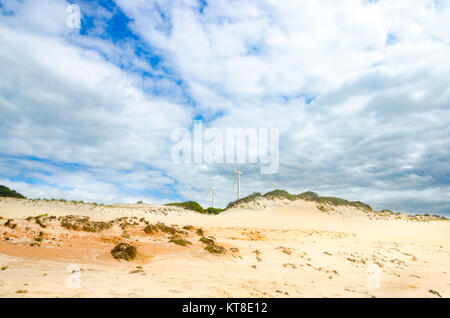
column 80, row 223
column 10, row 224
column 211, row 246
column 178, row 240
column 161, row 227
column 124, row 251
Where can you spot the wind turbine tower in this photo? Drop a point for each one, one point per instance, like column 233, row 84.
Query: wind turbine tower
column 237, row 176
column 212, row 190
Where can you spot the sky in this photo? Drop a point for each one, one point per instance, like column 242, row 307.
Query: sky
column 359, row 90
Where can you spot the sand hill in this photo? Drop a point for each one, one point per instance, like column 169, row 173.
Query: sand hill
column 266, row 247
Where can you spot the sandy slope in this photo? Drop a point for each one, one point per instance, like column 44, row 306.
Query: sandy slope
column 286, row 249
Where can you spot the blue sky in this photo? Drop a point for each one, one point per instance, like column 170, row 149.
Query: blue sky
column 359, row 91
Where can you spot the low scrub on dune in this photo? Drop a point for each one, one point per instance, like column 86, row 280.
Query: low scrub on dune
column 211, row 246
column 312, row 196
column 161, row 227
column 308, row 196
column 212, row 210
column 282, row 194
column 124, row 251
column 250, row 198
column 8, row 193
column 195, row 206
column 190, row 205
column 83, row 223
column 179, row 240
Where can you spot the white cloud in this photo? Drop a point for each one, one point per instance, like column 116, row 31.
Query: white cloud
column 376, row 130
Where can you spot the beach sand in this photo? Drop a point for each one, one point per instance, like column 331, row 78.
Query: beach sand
column 274, row 249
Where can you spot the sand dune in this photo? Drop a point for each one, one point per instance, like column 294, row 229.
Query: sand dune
column 274, row 248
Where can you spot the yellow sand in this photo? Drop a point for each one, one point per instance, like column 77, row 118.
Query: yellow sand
column 286, row 249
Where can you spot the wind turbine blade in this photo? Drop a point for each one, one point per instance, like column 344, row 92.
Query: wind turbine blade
column 234, row 168
column 234, row 182
column 243, row 167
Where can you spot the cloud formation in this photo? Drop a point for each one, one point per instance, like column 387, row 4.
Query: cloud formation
column 359, row 90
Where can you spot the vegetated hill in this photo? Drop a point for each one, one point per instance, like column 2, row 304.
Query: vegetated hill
column 195, row 206
column 326, row 204
column 8, row 193
column 308, row 196
column 190, row 205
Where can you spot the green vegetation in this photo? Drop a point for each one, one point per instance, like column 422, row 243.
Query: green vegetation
column 161, row 227
column 211, row 246
column 211, row 210
column 309, row 196
column 282, row 194
column 8, row 193
column 178, row 240
column 10, row 224
column 139, row 202
column 190, row 205
column 195, row 206
column 124, row 251
column 80, row 223
column 339, row 201
column 247, row 199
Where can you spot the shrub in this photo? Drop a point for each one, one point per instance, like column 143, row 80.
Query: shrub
column 280, row 194
column 190, row 205
column 200, row 232
column 8, row 193
column 309, row 196
column 211, row 210
column 247, row 199
column 161, row 227
column 80, row 223
column 312, row 196
column 10, row 224
column 124, row 251
column 178, row 240
column 212, row 247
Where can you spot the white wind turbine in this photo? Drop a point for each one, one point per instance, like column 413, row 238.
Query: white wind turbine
column 237, row 176
column 212, row 190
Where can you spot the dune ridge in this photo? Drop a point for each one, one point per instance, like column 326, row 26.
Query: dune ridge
column 272, row 247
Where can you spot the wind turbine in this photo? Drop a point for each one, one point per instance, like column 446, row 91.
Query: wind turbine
column 237, row 175
column 212, row 190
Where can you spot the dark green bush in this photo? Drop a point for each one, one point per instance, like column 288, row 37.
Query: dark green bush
column 190, row 205
column 211, row 210
column 8, row 193
column 124, row 251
